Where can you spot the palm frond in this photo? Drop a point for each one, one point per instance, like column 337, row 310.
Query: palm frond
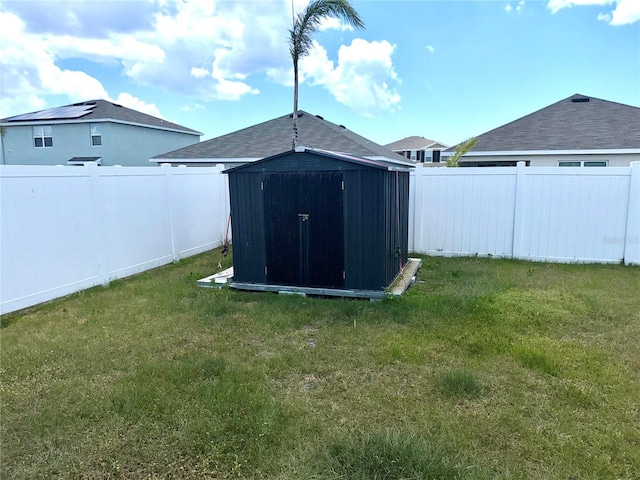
column 308, row 22
column 461, row 149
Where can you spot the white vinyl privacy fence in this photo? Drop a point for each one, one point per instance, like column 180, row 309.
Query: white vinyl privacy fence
column 63, row 229
column 535, row 213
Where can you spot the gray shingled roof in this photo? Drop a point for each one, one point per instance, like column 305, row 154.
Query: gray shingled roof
column 576, row 123
column 274, row 136
column 411, row 143
column 105, row 110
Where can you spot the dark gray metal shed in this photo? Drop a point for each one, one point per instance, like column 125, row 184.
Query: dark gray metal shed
column 320, row 220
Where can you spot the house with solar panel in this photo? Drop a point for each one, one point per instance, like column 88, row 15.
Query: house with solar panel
column 95, row 131
column 578, row 131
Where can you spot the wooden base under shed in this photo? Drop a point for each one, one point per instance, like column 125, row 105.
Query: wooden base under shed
column 400, row 285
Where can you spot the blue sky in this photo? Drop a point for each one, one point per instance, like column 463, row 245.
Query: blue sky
column 446, row 70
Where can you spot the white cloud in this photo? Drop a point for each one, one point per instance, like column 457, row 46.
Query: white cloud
column 190, row 108
column 199, row 72
column 605, row 17
column 362, row 77
column 29, row 71
column 201, row 48
column 430, row 48
column 624, row 11
column 129, row 101
column 331, row 23
column 518, row 8
column 118, row 46
column 627, row 11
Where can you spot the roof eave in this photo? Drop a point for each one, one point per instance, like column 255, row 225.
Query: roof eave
column 203, row 160
column 600, row 151
column 98, row 120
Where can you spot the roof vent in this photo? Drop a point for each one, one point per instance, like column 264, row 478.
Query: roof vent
column 342, row 127
column 579, row 99
column 318, row 116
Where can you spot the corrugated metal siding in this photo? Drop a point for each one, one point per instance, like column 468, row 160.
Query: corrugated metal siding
column 396, row 224
column 247, row 226
column 364, row 229
column 359, row 230
column 303, row 215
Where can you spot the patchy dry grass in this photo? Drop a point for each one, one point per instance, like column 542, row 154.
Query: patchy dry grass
column 485, row 369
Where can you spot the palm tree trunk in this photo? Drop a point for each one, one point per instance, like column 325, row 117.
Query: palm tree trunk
column 295, row 106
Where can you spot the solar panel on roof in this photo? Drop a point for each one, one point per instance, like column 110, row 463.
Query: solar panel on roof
column 55, row 113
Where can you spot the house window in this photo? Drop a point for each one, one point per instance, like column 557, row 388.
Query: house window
column 42, row 136
column 569, row 164
column 583, row 163
column 427, row 156
column 96, row 136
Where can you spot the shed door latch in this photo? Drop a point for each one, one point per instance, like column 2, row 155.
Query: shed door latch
column 304, row 216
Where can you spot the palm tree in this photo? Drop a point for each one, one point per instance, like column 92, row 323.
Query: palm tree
column 305, row 24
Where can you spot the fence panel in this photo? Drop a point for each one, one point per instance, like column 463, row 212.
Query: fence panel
column 46, row 249
column 463, row 211
column 535, row 213
column 134, row 223
column 575, row 214
column 207, row 190
column 63, row 229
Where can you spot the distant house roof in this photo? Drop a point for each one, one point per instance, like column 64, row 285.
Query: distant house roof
column 576, row 123
column 414, row 143
column 274, row 137
column 94, row 111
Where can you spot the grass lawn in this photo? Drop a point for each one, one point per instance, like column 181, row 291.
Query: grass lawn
column 484, row 369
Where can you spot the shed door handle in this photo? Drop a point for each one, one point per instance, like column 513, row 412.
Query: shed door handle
column 304, row 216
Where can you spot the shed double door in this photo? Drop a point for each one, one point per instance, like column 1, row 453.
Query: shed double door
column 304, row 229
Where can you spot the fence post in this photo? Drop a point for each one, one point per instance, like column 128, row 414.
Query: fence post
column 222, row 180
column 632, row 236
column 96, row 223
column 415, row 238
column 517, row 249
column 170, row 213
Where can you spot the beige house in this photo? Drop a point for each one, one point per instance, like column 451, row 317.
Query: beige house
column 420, row 150
column 578, row 131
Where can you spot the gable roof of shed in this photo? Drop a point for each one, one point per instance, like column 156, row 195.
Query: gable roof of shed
column 99, row 110
column 274, row 136
column 343, row 157
column 577, row 122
